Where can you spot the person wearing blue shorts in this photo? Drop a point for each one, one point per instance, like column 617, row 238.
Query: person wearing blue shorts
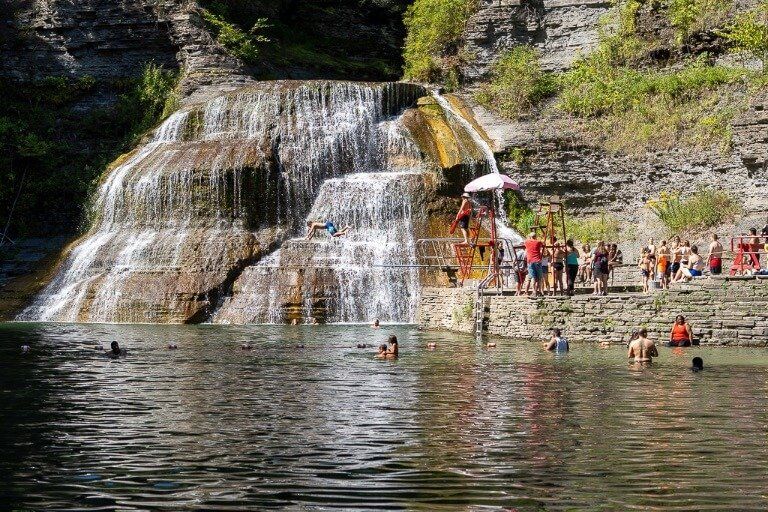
column 329, row 226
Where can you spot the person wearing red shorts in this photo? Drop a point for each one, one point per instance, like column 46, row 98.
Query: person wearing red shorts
column 715, row 256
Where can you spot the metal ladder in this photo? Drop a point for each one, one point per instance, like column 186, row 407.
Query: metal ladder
column 480, row 306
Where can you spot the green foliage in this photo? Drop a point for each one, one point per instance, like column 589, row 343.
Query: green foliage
column 704, row 209
column 593, row 229
column 518, row 83
column 61, row 153
column 434, row 31
column 151, row 99
column 244, row 45
column 693, row 16
column 748, row 33
column 519, row 214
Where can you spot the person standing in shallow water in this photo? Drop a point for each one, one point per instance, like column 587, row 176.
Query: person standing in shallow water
column 392, row 351
column 642, row 349
column 557, row 343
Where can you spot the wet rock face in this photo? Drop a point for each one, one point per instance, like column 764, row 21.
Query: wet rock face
column 561, row 29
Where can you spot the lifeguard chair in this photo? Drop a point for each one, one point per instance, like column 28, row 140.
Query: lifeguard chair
column 744, row 258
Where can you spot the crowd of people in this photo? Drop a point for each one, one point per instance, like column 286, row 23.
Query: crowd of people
column 555, row 270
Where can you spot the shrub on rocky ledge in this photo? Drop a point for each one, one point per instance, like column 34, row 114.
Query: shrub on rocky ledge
column 518, row 83
column 434, row 31
column 704, row 209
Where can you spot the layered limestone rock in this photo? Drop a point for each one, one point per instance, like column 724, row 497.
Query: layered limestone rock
column 561, row 29
column 184, row 222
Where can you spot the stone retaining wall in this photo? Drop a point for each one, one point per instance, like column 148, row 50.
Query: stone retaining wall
column 721, row 311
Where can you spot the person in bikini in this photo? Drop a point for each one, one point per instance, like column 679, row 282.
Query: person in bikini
column 642, row 349
column 558, row 265
column 681, row 334
column 328, row 226
column 715, row 256
column 646, row 267
column 684, row 252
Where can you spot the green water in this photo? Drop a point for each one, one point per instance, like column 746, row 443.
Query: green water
column 326, row 426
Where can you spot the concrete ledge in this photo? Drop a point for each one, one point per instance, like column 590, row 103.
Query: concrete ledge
column 727, row 312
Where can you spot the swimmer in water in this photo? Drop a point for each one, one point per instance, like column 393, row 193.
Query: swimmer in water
column 392, row 350
column 172, row 346
column 642, row 349
column 382, row 353
column 431, row 345
column 246, row 346
column 557, row 342
column 115, row 351
column 375, row 324
column 697, row 364
column 25, row 349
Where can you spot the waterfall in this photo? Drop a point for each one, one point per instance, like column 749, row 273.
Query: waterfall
column 503, row 230
column 204, row 221
column 214, row 189
column 344, row 279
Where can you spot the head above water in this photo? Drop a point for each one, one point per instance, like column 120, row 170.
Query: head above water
column 643, row 332
column 392, row 339
column 697, row 364
column 115, row 347
column 383, row 347
column 376, row 322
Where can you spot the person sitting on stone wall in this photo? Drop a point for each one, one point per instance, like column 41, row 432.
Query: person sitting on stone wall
column 681, row 334
column 691, row 268
column 328, row 226
column 642, row 349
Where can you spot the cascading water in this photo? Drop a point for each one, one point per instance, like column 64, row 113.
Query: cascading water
column 190, row 221
column 504, row 231
column 217, row 185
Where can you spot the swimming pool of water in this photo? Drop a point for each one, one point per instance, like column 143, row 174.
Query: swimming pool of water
column 326, row 426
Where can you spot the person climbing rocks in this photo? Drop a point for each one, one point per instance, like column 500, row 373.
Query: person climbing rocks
column 329, row 226
column 463, row 216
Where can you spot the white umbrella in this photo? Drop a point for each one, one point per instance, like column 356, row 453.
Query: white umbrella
column 492, row 181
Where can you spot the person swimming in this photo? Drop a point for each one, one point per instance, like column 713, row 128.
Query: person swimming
column 641, row 348
column 557, row 343
column 697, row 364
column 246, row 346
column 392, row 350
column 25, row 349
column 376, row 324
column 115, row 351
column 382, row 353
column 172, row 346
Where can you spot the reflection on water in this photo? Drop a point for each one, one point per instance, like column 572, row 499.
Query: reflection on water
column 307, row 421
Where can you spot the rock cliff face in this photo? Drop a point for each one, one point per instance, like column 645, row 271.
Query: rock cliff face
column 560, row 29
column 110, row 41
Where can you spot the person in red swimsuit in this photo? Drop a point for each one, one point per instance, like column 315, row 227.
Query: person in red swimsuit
column 681, row 334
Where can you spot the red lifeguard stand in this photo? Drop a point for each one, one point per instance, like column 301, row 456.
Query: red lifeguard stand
column 744, row 257
column 465, row 253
